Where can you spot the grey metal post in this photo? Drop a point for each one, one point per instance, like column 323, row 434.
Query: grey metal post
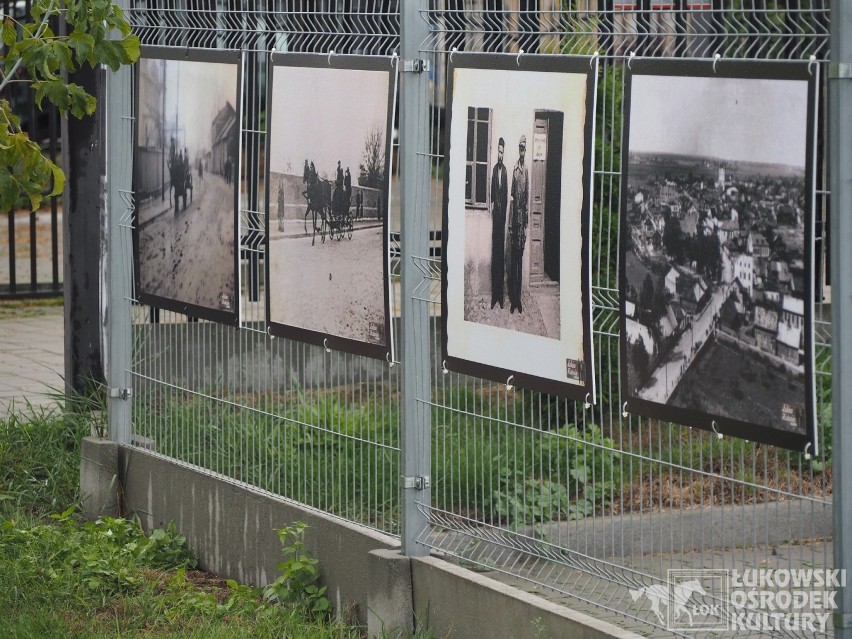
column 414, row 231
column 119, row 249
column 840, row 166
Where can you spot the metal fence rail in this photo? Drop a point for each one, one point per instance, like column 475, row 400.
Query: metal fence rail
column 581, row 504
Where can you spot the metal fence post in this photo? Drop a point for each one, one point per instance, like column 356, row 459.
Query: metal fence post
column 414, row 231
column 118, row 203
column 840, row 134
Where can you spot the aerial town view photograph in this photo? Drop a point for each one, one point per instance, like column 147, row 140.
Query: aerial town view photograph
column 717, row 268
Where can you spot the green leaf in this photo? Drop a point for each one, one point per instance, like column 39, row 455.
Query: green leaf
column 10, row 34
column 82, row 103
column 83, row 45
column 132, row 50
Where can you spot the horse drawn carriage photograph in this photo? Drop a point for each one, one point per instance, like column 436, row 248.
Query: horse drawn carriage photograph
column 327, row 187
column 328, row 205
column 186, row 200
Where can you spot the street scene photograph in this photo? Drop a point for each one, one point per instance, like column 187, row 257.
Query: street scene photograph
column 515, row 220
column 328, row 169
column 186, row 175
column 718, row 275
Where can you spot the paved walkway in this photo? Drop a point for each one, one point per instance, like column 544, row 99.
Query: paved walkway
column 32, row 346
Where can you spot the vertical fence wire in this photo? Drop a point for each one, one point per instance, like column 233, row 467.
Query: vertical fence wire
column 585, row 505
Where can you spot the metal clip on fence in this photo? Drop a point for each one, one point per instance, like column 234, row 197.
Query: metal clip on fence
column 594, row 57
column 388, row 358
column 630, row 59
column 444, row 367
column 325, row 345
column 518, row 59
column 811, row 61
column 452, row 51
column 330, row 53
column 716, row 58
column 624, row 412
column 587, row 401
column 509, row 383
column 807, row 454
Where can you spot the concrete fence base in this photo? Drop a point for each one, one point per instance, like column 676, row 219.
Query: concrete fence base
column 99, row 482
column 231, row 529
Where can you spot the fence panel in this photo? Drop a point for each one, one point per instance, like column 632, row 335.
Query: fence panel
column 318, row 427
column 587, row 505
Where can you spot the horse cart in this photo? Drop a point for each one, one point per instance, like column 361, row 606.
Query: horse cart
column 328, row 208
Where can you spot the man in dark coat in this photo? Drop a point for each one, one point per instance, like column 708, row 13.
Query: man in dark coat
column 499, row 199
column 518, row 220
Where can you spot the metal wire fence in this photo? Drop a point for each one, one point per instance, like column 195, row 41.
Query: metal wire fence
column 580, row 504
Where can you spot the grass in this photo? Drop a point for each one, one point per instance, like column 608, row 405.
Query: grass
column 61, row 577
column 338, row 450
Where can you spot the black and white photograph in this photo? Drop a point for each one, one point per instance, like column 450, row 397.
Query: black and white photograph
column 516, row 220
column 327, row 192
column 717, row 247
column 186, row 176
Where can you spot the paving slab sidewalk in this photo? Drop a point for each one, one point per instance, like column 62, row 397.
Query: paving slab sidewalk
column 32, row 357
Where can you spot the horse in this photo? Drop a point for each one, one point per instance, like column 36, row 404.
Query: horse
column 318, row 197
column 675, row 596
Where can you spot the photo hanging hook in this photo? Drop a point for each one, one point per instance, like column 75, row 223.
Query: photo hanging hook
column 509, row 383
column 388, row 358
column 394, row 61
column 716, row 58
column 594, row 57
column 444, row 369
column 807, row 447
column 624, row 412
column 330, row 53
column 272, row 53
column 630, row 59
column 325, row 345
column 811, row 61
column 452, row 51
column 518, row 59
column 587, row 401
column 713, row 426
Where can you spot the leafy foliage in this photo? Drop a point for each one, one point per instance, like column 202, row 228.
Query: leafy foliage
column 34, row 54
column 299, row 578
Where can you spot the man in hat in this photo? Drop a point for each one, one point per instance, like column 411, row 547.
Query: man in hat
column 499, row 199
column 518, row 220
